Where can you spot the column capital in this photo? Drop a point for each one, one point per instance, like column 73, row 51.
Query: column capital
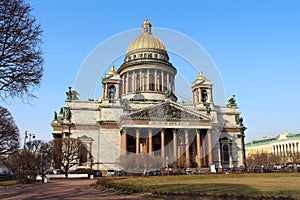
column 174, row 130
column 137, row 130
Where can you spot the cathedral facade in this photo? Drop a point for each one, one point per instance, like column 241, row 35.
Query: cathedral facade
column 138, row 114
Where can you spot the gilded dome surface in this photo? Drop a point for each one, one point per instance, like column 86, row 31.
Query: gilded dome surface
column 146, row 40
column 200, row 77
column 112, row 71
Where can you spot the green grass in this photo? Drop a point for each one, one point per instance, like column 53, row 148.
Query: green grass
column 250, row 185
column 8, row 183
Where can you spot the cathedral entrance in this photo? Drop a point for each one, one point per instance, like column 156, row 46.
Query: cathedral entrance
column 175, row 146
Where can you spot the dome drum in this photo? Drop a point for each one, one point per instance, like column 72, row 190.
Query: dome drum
column 145, row 54
column 140, row 63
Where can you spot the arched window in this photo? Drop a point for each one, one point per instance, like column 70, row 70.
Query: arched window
column 226, row 153
column 111, row 92
column 144, row 80
column 225, row 146
column 151, row 82
column 83, row 153
column 204, row 96
column 165, row 82
column 124, row 86
column 138, row 83
column 129, row 84
column 159, row 82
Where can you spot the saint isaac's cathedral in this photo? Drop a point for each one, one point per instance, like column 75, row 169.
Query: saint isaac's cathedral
column 138, row 113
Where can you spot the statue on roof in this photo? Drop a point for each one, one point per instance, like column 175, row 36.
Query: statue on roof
column 167, row 93
column 55, row 115
column 67, row 114
column 72, row 95
column 69, row 94
column 208, row 108
column 232, row 101
column 61, row 112
column 125, row 105
column 239, row 120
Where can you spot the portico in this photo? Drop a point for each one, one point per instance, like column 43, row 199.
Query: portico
column 189, row 147
column 183, row 137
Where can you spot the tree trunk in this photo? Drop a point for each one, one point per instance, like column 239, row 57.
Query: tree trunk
column 66, row 172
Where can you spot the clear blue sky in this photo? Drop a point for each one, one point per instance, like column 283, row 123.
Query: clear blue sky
column 255, row 45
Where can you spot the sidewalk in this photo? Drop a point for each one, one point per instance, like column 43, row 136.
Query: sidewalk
column 60, row 189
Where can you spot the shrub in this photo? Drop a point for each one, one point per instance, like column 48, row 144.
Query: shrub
column 26, row 176
column 105, row 182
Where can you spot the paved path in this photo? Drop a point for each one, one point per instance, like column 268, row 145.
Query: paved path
column 60, row 189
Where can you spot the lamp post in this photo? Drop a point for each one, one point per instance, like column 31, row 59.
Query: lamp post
column 182, row 152
column 28, row 136
column 167, row 165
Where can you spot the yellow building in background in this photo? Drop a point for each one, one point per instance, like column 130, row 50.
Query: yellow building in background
column 282, row 144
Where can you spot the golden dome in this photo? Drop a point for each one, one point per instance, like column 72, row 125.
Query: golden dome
column 146, row 23
column 146, row 40
column 112, row 71
column 200, row 77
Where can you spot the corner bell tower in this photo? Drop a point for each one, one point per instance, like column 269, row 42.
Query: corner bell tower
column 111, row 87
column 202, row 91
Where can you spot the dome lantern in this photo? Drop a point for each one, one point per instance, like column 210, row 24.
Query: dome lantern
column 146, row 41
column 146, row 27
column 112, row 71
column 200, row 77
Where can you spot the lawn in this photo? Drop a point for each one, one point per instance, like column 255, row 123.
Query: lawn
column 7, row 183
column 250, row 185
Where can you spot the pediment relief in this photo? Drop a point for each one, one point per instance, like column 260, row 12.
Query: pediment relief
column 167, row 111
column 85, row 138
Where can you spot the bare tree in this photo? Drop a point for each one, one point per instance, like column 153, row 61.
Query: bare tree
column 275, row 159
column 56, row 152
column 294, row 158
column 9, row 132
column 43, row 154
column 25, row 163
column 250, row 161
column 21, row 59
column 66, row 152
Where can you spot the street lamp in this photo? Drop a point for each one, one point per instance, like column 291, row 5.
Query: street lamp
column 182, row 157
column 28, row 136
column 167, row 164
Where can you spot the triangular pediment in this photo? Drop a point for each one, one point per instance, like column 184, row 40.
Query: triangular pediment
column 85, row 138
column 166, row 111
